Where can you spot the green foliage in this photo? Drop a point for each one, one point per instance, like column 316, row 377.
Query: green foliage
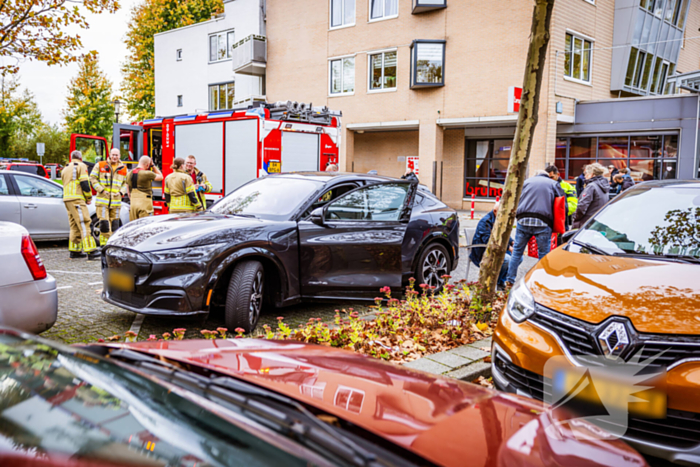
column 680, row 235
column 149, row 18
column 56, row 144
column 19, row 115
column 89, row 103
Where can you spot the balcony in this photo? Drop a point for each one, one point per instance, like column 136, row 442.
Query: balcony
column 420, row 6
column 249, row 56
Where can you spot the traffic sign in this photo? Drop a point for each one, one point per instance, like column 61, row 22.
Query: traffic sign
column 40, row 149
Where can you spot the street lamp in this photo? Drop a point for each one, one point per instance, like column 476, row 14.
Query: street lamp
column 116, row 104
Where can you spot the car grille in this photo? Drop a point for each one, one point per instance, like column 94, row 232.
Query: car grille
column 129, row 298
column 579, row 338
column 680, row 429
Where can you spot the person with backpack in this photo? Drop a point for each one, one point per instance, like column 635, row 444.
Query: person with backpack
column 139, row 184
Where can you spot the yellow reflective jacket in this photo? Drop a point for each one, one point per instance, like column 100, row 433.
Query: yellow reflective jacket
column 571, row 199
column 180, row 192
column 109, row 183
column 75, row 179
column 202, row 180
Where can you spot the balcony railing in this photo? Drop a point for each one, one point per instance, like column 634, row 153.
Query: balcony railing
column 250, row 55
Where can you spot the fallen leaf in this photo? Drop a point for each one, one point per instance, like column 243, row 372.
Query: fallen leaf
column 485, row 349
column 481, row 381
column 482, row 326
column 487, row 359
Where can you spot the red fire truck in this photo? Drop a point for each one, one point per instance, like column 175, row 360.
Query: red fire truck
column 232, row 147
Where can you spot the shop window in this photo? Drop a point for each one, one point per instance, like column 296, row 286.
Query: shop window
column 220, row 45
column 382, row 69
column 615, row 147
column 577, row 58
column 560, row 155
column 427, row 63
column 486, row 167
column 221, row 96
column 383, row 9
column 645, row 147
column 342, row 13
column 419, row 6
column 342, row 76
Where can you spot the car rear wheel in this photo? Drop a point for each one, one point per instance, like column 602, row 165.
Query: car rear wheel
column 434, row 263
column 244, row 299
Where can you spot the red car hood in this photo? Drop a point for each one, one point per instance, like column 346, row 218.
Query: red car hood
column 443, row 420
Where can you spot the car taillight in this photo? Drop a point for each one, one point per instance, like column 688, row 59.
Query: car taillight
column 32, row 258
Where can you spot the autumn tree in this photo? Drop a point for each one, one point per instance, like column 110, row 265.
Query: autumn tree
column 19, row 114
column 89, row 109
column 147, row 19
column 524, row 133
column 44, row 30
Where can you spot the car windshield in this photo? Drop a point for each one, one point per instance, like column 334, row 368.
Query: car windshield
column 58, row 402
column 658, row 222
column 269, row 197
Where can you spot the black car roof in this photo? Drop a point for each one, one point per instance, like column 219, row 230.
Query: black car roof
column 325, row 177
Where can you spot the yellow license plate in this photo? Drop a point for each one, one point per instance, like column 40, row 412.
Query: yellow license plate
column 644, row 399
column 274, row 167
column 120, row 280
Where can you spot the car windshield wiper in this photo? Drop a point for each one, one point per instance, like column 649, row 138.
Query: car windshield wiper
column 591, row 248
column 664, row 257
column 279, row 412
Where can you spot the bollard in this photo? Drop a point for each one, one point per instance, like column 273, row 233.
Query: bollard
column 473, row 195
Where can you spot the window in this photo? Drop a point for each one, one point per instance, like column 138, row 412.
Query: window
column 179, row 101
column 349, row 399
column 4, row 190
column 178, row 55
column 427, row 63
column 342, row 76
column 577, row 58
column 220, row 45
column 30, row 186
column 486, row 167
column 383, row 9
column 342, row 13
column 221, row 96
column 384, row 202
column 382, row 71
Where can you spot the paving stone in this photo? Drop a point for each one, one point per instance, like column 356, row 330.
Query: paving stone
column 472, row 353
column 449, row 358
column 471, row 372
column 428, row 366
column 481, row 343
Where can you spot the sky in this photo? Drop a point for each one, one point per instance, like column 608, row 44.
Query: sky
column 106, row 35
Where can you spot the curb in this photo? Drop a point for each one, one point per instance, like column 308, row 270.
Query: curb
column 465, row 363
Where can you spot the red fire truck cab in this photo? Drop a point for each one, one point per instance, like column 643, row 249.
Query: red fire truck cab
column 232, row 147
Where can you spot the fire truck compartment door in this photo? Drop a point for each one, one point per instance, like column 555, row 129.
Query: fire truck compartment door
column 241, row 153
column 205, row 141
column 300, row 152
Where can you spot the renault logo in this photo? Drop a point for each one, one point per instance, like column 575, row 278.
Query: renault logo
column 614, row 340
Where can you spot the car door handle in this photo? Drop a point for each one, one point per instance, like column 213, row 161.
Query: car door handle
column 30, row 206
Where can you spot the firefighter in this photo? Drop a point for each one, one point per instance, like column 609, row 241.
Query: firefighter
column 200, row 181
column 139, row 185
column 180, row 192
column 76, row 196
column 109, row 180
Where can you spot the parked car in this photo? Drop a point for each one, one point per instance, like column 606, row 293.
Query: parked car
column 28, row 295
column 627, row 282
column 255, row 402
column 37, row 204
column 59, row 167
column 27, row 167
column 280, row 239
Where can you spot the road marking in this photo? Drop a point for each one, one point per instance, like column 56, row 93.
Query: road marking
column 94, row 283
column 74, row 272
column 136, row 324
column 64, row 287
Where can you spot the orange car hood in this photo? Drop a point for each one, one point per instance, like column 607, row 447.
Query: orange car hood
column 443, row 420
column 657, row 296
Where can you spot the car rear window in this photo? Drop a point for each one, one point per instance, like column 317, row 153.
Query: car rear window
column 30, row 169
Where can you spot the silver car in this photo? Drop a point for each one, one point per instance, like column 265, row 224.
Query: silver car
column 37, row 204
column 28, row 295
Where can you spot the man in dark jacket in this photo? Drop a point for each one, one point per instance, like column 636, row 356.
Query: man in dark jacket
column 581, row 182
column 535, row 216
column 594, row 196
column 481, row 237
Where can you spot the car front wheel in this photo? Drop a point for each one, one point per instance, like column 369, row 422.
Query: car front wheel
column 434, row 263
column 244, row 299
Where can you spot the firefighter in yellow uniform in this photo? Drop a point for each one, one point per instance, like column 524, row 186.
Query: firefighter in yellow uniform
column 76, row 196
column 139, row 183
column 200, row 180
column 180, row 192
column 109, row 180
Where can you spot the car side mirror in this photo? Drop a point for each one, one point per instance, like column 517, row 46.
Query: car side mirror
column 317, row 216
column 566, row 236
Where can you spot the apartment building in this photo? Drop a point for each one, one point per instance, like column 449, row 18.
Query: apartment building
column 196, row 67
column 436, row 83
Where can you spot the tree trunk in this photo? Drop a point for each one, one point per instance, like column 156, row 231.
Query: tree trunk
column 527, row 121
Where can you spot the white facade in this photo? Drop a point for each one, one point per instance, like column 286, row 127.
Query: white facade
column 184, row 71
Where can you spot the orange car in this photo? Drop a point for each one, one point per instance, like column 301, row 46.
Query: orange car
column 625, row 286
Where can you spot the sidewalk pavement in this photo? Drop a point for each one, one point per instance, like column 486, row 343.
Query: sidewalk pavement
column 465, row 363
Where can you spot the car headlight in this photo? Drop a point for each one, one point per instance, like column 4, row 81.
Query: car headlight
column 189, row 254
column 521, row 303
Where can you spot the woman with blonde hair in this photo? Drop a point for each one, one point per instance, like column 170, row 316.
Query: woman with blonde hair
column 594, row 196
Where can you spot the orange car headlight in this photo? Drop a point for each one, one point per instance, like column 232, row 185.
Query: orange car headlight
column 521, row 303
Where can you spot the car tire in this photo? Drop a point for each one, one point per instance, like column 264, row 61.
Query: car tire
column 244, row 299
column 434, row 262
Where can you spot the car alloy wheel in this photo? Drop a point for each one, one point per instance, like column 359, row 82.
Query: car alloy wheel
column 256, row 299
column 434, row 264
column 244, row 299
